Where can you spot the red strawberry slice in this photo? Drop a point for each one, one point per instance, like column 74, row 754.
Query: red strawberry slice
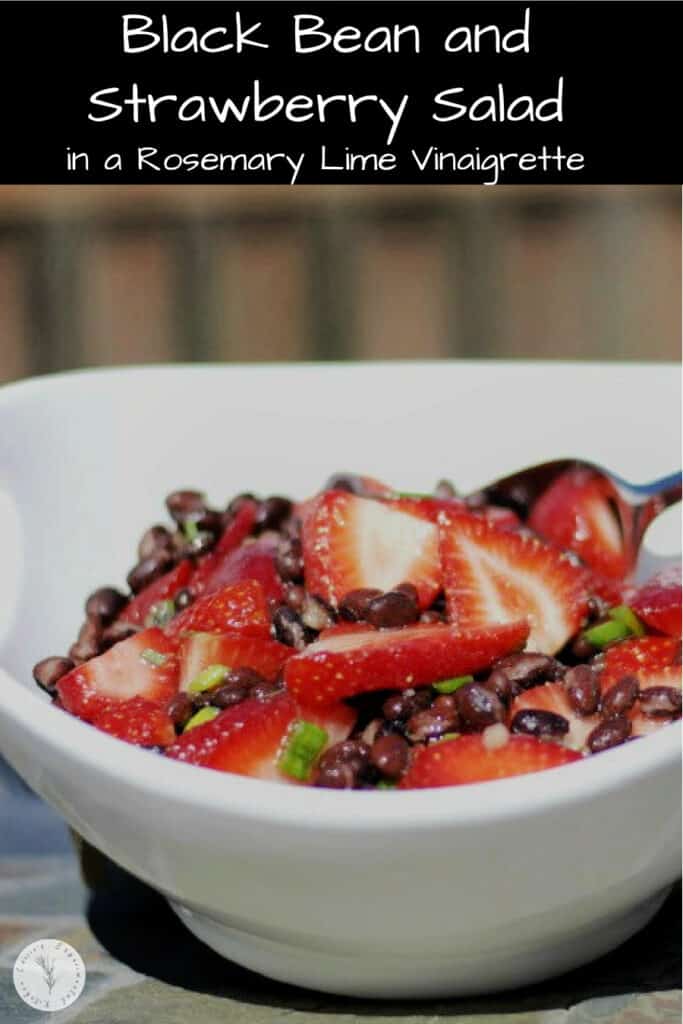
column 245, row 739
column 163, row 589
column 553, row 697
column 132, row 668
column 658, row 602
column 351, row 542
column 237, row 606
column 235, row 650
column 358, row 661
column 468, row 759
column 654, row 661
column 435, row 509
column 495, row 576
column 137, row 721
column 235, row 532
column 254, row 560
column 576, row 512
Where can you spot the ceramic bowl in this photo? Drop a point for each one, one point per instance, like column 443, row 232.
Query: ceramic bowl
column 408, row 894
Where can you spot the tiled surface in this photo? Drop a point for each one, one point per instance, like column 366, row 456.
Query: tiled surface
column 144, row 966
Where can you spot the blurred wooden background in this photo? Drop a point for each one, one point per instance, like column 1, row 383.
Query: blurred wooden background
column 101, row 275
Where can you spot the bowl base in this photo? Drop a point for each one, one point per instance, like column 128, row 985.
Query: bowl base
column 378, row 974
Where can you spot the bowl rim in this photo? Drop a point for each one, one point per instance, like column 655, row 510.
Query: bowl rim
column 82, row 746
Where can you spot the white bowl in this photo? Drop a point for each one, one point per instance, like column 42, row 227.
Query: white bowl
column 376, row 894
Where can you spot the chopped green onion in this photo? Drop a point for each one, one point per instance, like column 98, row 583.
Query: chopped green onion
column 202, row 716
column 451, row 685
column 153, row 657
column 606, row 633
column 449, row 736
column 306, row 741
column 160, row 614
column 209, row 677
column 385, row 784
column 622, row 613
column 414, row 494
column 190, row 529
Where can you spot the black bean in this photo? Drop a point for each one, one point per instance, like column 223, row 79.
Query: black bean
column 430, row 724
column 445, row 489
column 224, row 696
column 89, row 642
column 610, row 733
column 389, row 755
column 410, row 589
column 295, row 595
column 400, row 706
column 499, row 683
column 478, row 707
column 179, row 709
column 354, row 605
column 156, row 539
column 183, row 599
column 118, row 631
column 49, row 671
column 342, row 765
column 245, row 676
column 261, row 691
column 661, row 701
column 184, row 505
column 537, row 722
column 621, row 697
column 582, row 689
column 582, row 649
column 527, row 669
column 272, row 513
column 315, row 614
column 289, row 560
column 395, row 608
column 345, row 482
column 445, row 704
column 148, row 570
column 105, row 604
column 289, row 629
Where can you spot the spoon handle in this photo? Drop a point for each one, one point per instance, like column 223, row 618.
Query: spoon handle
column 665, row 492
column 641, row 503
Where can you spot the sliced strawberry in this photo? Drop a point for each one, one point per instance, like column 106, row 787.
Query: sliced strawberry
column 494, row 576
column 577, row 512
column 435, row 509
column 237, row 530
column 658, row 602
column 235, row 650
column 336, row 719
column 361, row 660
column 245, row 739
column 553, row 697
column 251, row 561
column 137, row 721
column 468, row 759
column 127, row 670
column 351, row 542
column 238, row 606
column 426, row 507
column 163, row 589
column 654, row 661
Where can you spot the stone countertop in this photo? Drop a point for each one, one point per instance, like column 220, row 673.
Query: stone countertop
column 143, row 965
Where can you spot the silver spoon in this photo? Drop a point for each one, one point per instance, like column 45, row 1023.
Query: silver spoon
column 635, row 505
